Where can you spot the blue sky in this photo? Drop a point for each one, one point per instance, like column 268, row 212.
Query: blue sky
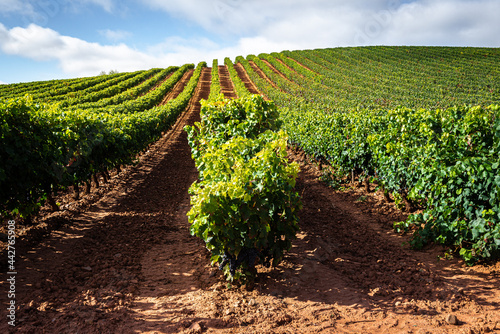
column 53, row 39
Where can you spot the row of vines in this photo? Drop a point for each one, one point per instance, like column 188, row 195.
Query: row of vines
column 403, row 118
column 46, row 147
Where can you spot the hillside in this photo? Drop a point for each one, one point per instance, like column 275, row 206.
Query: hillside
column 110, row 249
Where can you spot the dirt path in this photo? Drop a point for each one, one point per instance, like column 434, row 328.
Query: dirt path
column 290, row 68
column 85, row 276
column 275, row 70
column 304, row 66
column 129, row 265
column 158, row 84
column 262, row 74
column 178, row 88
column 226, row 85
column 243, row 75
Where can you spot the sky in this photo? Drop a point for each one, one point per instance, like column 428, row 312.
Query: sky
column 57, row 39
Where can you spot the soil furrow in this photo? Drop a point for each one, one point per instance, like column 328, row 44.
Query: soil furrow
column 262, row 74
column 178, row 88
column 158, row 84
column 226, row 85
column 243, row 75
column 304, row 66
column 275, row 70
column 290, row 68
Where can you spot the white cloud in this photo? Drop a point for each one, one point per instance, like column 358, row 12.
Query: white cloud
column 180, row 51
column 445, row 22
column 329, row 23
column 261, row 26
column 235, row 16
column 80, row 58
column 75, row 56
column 2, row 83
column 115, row 35
column 33, row 42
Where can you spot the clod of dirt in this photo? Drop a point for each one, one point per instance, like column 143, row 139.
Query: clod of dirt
column 451, row 319
column 195, row 328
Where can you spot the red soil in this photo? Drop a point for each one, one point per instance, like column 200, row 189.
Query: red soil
column 226, row 85
column 243, row 75
column 178, row 87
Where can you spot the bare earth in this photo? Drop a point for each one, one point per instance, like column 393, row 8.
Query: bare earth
column 127, row 264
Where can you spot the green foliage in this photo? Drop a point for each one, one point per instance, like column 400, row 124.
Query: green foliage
column 446, row 160
column 343, row 105
column 29, row 154
column 45, row 147
column 107, row 89
column 214, row 84
column 60, row 89
column 141, row 103
column 224, row 119
column 239, row 86
column 244, row 203
column 126, row 90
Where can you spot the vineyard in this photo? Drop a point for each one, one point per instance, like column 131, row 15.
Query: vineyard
column 391, row 225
